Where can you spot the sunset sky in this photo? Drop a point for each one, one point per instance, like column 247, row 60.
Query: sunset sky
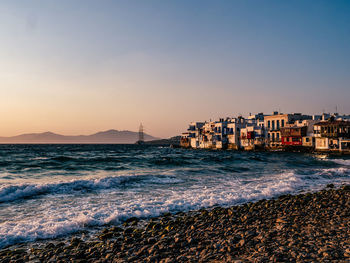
column 78, row 67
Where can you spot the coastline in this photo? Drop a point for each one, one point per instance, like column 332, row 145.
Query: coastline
column 292, row 149
column 310, row 227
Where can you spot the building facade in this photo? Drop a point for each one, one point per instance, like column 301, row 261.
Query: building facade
column 275, row 122
column 271, row 131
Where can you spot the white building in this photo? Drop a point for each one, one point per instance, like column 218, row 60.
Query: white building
column 234, row 132
column 194, row 131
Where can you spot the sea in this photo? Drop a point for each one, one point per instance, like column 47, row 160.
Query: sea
column 55, row 191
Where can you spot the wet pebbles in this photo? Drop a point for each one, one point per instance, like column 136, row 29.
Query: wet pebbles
column 312, row 227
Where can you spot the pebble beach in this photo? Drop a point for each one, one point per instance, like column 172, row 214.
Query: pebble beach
column 308, row 227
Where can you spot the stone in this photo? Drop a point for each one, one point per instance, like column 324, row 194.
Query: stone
column 240, row 243
column 106, row 236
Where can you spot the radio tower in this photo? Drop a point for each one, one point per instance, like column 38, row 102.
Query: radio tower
column 141, row 135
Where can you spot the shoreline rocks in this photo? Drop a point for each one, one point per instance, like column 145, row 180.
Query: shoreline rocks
column 311, row 227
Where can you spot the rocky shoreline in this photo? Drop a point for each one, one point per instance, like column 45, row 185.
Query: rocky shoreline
column 311, row 227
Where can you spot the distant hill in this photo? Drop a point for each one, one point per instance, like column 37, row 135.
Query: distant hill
column 110, row 136
column 173, row 140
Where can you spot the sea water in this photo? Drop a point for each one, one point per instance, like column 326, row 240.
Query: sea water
column 49, row 191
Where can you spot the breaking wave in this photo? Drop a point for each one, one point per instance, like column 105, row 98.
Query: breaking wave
column 79, row 187
column 62, row 221
column 345, row 162
column 10, row 193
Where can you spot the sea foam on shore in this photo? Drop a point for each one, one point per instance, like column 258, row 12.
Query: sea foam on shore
column 55, row 191
column 62, row 219
column 304, row 227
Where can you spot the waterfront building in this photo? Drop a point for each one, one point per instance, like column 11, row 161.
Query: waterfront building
column 293, row 136
column 194, row 130
column 206, row 138
column 319, row 132
column 344, row 145
column 257, row 119
column 275, row 122
column 220, row 134
column 185, row 140
column 308, row 139
column 252, row 137
column 234, row 132
column 332, row 135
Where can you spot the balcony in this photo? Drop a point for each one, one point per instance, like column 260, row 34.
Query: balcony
column 335, row 135
column 273, row 140
column 273, row 129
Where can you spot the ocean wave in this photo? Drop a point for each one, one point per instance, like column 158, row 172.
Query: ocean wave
column 345, row 162
column 9, row 193
column 84, row 159
column 36, row 229
column 335, row 172
column 62, row 158
column 160, row 181
column 61, row 220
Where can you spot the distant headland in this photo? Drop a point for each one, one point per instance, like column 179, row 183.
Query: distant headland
column 109, row 136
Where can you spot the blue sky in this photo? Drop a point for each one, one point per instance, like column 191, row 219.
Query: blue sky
column 76, row 67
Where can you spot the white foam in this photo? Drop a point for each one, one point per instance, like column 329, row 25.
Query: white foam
column 345, row 162
column 14, row 192
column 60, row 216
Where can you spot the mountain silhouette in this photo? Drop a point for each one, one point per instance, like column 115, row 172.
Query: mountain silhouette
column 109, row 136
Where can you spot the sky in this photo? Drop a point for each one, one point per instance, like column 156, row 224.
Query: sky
column 78, row 67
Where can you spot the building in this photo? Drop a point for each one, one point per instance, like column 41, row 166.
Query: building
column 206, row 138
column 332, row 135
column 194, row 131
column 252, row 137
column 308, row 140
column 220, row 134
column 271, row 131
column 344, row 145
column 275, row 122
column 293, row 136
column 185, row 140
column 234, row 127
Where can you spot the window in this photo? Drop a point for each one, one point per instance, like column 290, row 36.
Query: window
column 268, row 124
column 277, row 136
column 273, row 137
column 282, row 123
column 307, row 139
column 278, row 124
column 273, row 125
